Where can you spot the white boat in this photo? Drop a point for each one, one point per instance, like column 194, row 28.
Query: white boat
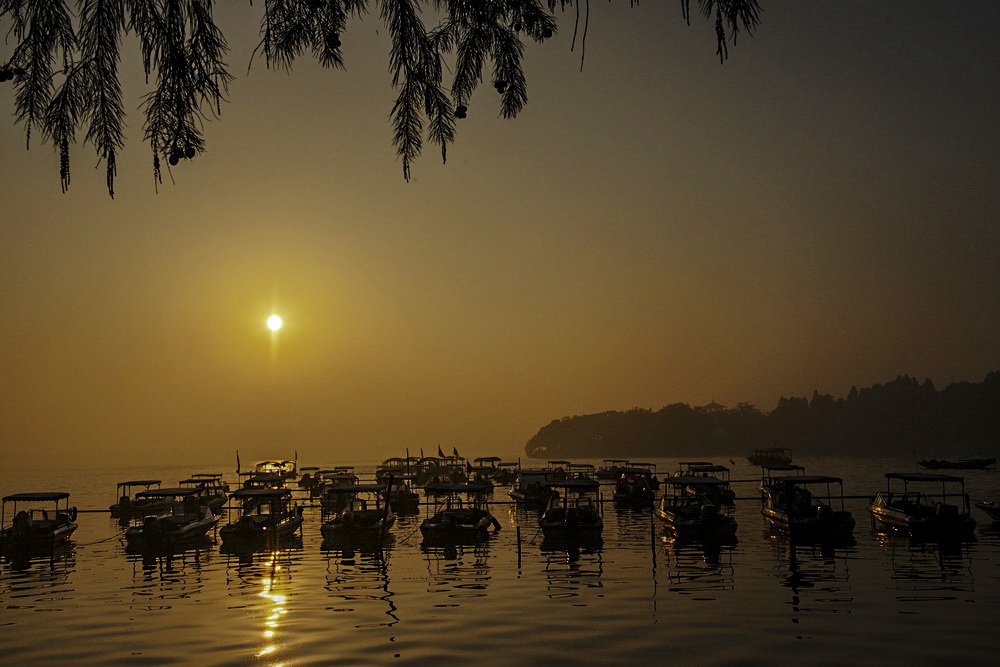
column 286, row 468
column 188, row 519
column 924, row 505
column 41, row 525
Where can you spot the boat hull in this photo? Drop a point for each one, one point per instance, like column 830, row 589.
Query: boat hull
column 692, row 523
column 923, row 526
column 833, row 527
column 168, row 532
column 261, row 529
column 458, row 525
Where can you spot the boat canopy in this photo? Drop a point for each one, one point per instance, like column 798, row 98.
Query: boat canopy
column 708, row 467
column 140, row 482
column 790, row 467
column 924, row 477
column 168, row 493
column 261, row 493
column 441, row 487
column 487, row 459
column 40, row 496
column 577, row 483
column 262, row 476
column 689, row 480
column 208, row 475
column 354, row 488
column 308, row 468
column 635, row 471
column 807, row 479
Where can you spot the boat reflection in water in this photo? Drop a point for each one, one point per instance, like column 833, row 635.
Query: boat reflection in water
column 572, row 571
column 818, row 580
column 358, row 582
column 267, row 576
column 927, row 571
column 160, row 579
column 457, row 570
column 696, row 567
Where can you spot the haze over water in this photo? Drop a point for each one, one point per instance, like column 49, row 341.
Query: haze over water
column 818, row 213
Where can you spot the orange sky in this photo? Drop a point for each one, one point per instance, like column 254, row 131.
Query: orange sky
column 820, row 212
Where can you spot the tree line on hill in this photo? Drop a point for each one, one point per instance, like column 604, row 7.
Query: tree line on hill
column 903, row 417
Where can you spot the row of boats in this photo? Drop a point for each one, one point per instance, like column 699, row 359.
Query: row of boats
column 696, row 503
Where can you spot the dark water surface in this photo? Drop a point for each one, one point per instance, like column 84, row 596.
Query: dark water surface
column 639, row 597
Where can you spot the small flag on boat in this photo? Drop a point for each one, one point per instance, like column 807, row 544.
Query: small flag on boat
column 440, row 453
column 237, row 462
column 455, row 451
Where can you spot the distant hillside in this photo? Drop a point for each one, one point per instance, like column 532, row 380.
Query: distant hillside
column 902, row 417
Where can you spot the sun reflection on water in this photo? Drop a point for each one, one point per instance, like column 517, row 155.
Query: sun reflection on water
column 276, row 609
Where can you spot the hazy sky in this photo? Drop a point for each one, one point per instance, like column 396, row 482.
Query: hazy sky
column 822, row 211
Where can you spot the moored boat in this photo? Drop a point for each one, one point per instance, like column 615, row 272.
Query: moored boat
column 41, row 526
column 703, row 480
column 266, row 516
column 798, row 506
column 286, row 468
column 210, row 491
column 695, row 516
column 960, row 464
column 401, row 496
column 610, row 469
column 571, row 514
column 129, row 505
column 990, row 508
column 367, row 517
column 924, row 505
column 770, row 456
column 529, row 487
column 635, row 487
column 459, row 516
column 187, row 520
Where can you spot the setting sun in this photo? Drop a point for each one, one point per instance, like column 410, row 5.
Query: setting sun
column 274, row 322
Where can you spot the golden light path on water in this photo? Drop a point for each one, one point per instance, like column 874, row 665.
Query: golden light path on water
column 277, row 608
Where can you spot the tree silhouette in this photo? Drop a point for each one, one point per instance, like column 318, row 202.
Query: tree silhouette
column 65, row 56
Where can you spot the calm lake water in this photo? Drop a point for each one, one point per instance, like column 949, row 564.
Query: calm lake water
column 639, row 597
